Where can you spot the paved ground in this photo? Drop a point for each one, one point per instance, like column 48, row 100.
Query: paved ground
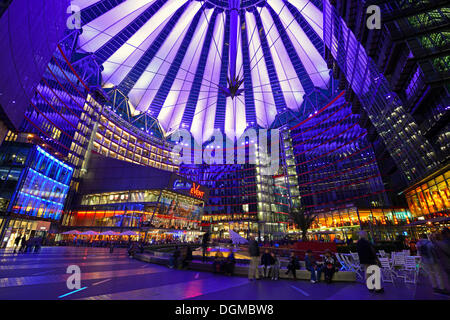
column 115, row 276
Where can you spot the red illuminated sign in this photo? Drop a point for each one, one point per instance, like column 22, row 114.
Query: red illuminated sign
column 196, row 192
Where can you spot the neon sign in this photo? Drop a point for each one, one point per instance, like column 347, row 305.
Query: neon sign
column 196, row 192
column 181, row 185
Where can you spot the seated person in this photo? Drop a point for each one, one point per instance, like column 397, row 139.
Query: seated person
column 266, row 262
column 293, row 265
column 218, row 262
column 329, row 266
column 312, row 266
column 229, row 263
column 173, row 262
column 275, row 266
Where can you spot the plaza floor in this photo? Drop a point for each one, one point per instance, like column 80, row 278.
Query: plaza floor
column 116, row 276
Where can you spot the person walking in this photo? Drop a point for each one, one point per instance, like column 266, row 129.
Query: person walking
column 37, row 244
column 430, row 261
column 367, row 255
column 17, row 243
column 253, row 249
column 443, row 251
column 312, row 266
column 23, row 244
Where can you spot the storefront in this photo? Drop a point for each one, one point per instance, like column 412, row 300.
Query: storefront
column 430, row 198
column 119, row 196
column 383, row 224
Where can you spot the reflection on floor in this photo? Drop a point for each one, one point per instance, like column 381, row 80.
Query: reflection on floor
column 115, row 276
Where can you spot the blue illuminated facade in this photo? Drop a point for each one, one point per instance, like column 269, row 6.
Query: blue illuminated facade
column 42, row 185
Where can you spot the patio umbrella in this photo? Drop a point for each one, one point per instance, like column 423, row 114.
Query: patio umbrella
column 109, row 233
column 128, row 233
column 89, row 233
column 236, row 238
column 72, row 232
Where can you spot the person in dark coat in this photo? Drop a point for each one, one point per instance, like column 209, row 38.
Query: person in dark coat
column 366, row 253
column 205, row 241
column 188, row 257
column 173, row 262
column 266, row 262
column 312, row 266
column 293, row 265
column 17, row 243
column 329, row 266
column 219, row 262
column 253, row 249
column 229, row 263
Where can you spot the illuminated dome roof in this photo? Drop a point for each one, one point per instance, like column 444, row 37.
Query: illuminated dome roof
column 202, row 65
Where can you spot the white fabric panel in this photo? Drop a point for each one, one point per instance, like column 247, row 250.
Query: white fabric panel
column 202, row 126
column 311, row 13
column 262, row 91
column 172, row 111
column 104, row 28
column 84, row 3
column 160, row 65
column 311, row 59
column 290, row 84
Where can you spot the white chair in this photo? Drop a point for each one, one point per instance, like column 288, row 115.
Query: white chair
column 398, row 260
column 410, row 270
column 357, row 266
column 382, row 253
column 355, row 257
column 344, row 266
column 387, row 274
column 353, row 265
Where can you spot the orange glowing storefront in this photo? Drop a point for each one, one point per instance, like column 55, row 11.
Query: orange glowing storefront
column 429, row 199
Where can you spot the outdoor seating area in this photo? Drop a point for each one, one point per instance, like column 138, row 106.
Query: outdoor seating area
column 241, row 267
column 395, row 266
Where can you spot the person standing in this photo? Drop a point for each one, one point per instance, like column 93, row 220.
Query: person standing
column 367, row 255
column 17, row 243
column 254, row 260
column 430, row 261
column 275, row 266
column 205, row 241
column 443, row 250
column 23, row 244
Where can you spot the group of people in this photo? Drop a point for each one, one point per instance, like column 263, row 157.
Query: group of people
column 434, row 250
column 180, row 259
column 224, row 265
column 24, row 245
column 270, row 264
